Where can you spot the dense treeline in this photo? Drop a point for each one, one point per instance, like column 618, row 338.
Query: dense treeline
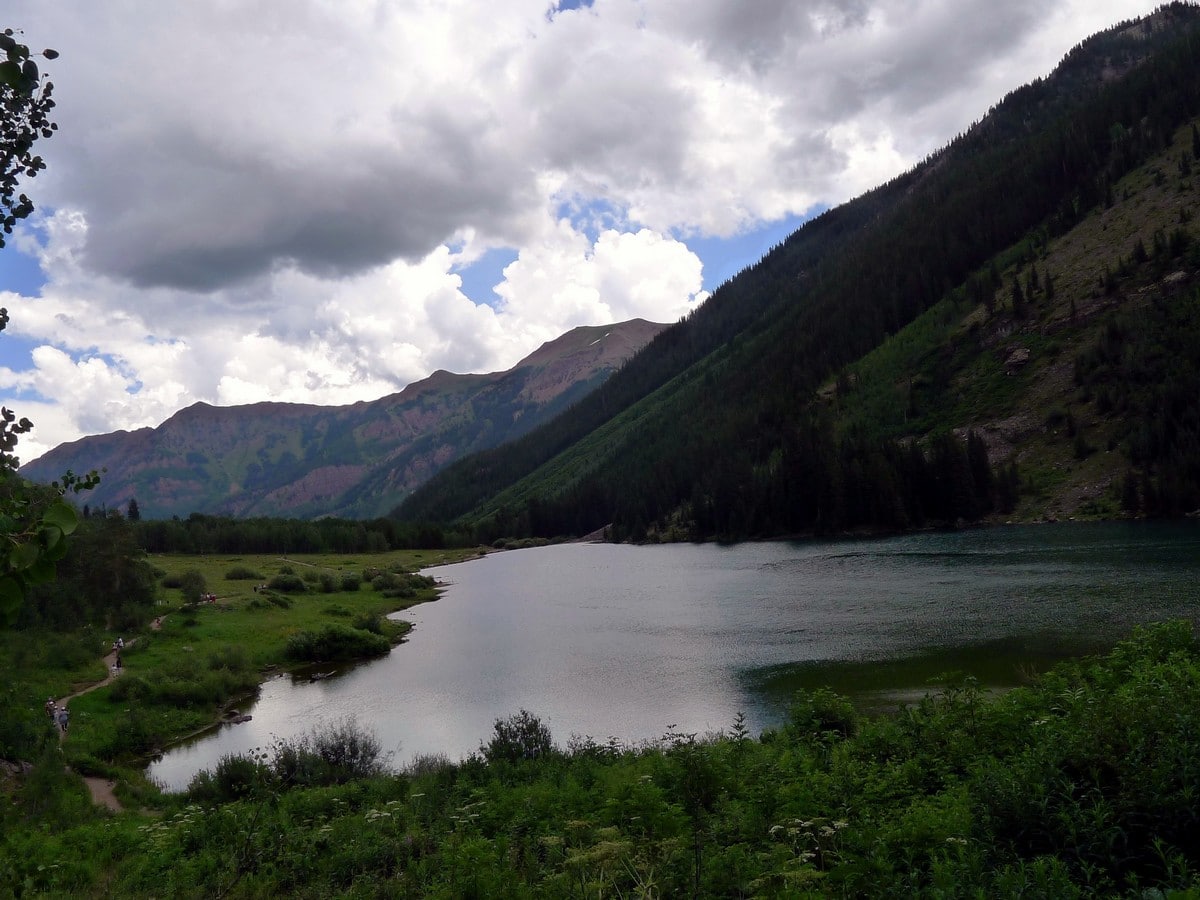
column 1081, row 784
column 103, row 580
column 222, row 534
column 733, row 386
column 817, row 482
column 1144, row 369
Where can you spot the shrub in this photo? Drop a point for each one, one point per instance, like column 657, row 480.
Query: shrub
column 520, row 736
column 335, row 643
column 234, row 778
column 192, row 586
column 243, row 573
column 331, row 753
column 172, row 581
column 368, row 622
column 351, row 582
column 288, row 583
column 328, row 583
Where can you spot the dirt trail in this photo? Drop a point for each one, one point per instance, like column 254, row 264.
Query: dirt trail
column 101, row 789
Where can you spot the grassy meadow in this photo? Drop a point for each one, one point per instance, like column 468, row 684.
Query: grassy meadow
column 267, row 613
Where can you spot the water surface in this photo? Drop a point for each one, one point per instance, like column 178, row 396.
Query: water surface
column 620, row 641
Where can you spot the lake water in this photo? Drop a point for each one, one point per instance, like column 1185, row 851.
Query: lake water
column 620, row 641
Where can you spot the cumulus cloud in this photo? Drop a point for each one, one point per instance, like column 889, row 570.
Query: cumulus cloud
column 274, row 199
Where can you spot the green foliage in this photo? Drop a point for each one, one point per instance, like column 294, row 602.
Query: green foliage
column 1079, row 784
column 103, row 580
column 288, row 583
column 335, row 643
column 522, row 736
column 243, row 573
column 34, row 522
column 192, row 586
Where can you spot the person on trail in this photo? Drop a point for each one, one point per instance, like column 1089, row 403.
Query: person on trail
column 118, row 663
column 51, row 707
column 63, row 718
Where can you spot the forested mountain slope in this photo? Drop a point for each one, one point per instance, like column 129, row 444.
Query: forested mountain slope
column 880, row 369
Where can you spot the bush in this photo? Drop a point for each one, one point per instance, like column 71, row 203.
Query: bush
column 351, row 582
column 368, row 622
column 234, row 778
column 332, row 753
column 335, row 643
column 192, row 586
column 243, row 573
column 288, row 583
column 328, row 583
column 520, row 736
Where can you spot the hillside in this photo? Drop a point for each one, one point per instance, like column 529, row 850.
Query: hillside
column 358, row 461
column 879, row 368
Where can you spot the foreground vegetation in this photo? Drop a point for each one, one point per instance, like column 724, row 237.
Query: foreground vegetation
column 202, row 631
column 1083, row 783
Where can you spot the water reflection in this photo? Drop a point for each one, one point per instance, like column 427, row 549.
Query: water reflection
column 624, row 641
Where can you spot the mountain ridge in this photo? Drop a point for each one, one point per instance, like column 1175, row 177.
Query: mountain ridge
column 725, row 441
column 297, row 459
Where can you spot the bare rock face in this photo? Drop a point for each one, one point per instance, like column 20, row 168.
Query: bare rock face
column 357, row 461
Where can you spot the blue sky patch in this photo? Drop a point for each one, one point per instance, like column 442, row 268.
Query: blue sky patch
column 485, row 273
column 725, row 257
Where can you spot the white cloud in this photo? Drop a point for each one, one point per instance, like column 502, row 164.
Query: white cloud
column 271, row 199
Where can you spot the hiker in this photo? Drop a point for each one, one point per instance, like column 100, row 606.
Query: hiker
column 51, row 708
column 118, row 663
column 63, row 717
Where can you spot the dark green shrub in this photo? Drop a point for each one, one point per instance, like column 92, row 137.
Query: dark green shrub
column 288, row 583
column 243, row 573
column 172, row 581
column 335, row 642
column 332, row 753
column 328, row 583
column 192, row 586
column 368, row 622
column 520, row 736
column 234, row 778
column 351, row 582
column 340, row 611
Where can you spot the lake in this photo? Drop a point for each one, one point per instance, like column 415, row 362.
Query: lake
column 619, row 641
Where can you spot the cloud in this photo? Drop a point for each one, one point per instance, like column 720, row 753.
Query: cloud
column 275, row 199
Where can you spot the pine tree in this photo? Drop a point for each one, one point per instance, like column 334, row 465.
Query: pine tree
column 1018, row 298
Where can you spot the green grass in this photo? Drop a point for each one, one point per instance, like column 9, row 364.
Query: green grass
column 176, row 680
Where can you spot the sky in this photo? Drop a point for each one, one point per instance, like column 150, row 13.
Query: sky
column 322, row 201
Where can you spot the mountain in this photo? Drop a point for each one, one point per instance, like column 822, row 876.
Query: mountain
column 1010, row 329
column 358, row 461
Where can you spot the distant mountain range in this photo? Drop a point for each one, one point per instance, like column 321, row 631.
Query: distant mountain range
column 358, row 461
column 1010, row 330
